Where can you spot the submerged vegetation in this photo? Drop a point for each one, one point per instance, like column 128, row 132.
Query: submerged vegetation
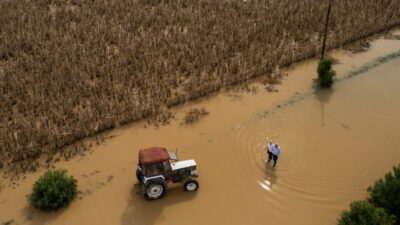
column 72, row 68
column 8, row 222
column 373, row 64
column 383, row 205
column 53, row 190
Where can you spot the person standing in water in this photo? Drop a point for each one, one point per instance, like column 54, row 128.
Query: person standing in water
column 270, row 150
column 276, row 153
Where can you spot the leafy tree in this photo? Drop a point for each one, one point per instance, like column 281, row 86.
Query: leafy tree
column 325, row 73
column 363, row 213
column 385, row 192
column 53, row 190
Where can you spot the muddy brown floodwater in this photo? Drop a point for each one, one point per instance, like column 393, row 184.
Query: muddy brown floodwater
column 334, row 145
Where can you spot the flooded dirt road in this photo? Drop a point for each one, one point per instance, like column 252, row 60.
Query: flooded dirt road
column 335, row 144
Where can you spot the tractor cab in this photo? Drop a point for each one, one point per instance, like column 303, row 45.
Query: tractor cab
column 157, row 166
column 156, row 162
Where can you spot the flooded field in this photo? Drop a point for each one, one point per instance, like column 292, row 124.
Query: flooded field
column 334, row 145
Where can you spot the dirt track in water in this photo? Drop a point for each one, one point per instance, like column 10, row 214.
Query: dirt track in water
column 334, row 145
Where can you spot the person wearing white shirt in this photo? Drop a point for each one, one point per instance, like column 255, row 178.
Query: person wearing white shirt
column 270, row 151
column 276, row 153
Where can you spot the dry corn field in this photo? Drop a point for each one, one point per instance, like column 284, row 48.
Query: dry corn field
column 73, row 68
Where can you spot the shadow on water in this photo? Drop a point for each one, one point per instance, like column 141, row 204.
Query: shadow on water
column 36, row 217
column 323, row 96
column 145, row 212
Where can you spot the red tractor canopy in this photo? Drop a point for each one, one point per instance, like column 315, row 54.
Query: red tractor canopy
column 153, row 155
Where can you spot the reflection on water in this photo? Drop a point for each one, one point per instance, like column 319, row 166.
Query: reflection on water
column 270, row 178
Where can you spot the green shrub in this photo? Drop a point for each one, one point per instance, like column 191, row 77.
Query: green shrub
column 385, row 192
column 363, row 213
column 53, row 190
column 325, row 73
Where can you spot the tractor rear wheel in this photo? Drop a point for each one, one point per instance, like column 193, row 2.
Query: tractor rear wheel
column 191, row 185
column 154, row 189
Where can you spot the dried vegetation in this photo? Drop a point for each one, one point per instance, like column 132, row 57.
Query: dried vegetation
column 393, row 36
column 193, row 115
column 359, row 46
column 72, row 68
column 161, row 118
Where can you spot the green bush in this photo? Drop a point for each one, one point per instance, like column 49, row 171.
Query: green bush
column 53, row 190
column 325, row 73
column 363, row 213
column 385, row 192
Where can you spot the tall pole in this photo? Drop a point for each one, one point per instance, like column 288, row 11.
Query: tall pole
column 326, row 29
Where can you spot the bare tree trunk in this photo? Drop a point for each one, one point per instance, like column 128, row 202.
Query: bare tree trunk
column 326, row 29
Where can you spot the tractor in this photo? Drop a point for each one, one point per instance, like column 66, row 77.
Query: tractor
column 157, row 166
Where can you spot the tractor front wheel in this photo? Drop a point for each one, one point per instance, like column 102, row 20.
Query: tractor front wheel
column 154, row 189
column 191, row 185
